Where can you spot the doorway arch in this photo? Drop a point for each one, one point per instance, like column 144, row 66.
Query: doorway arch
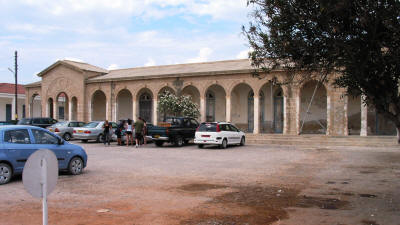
column 62, row 106
column 99, row 106
column 315, row 120
column 145, row 105
column 124, row 105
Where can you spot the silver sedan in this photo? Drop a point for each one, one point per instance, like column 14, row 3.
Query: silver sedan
column 92, row 131
column 65, row 129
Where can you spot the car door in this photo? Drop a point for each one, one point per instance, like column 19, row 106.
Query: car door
column 46, row 140
column 224, row 132
column 18, row 145
column 235, row 133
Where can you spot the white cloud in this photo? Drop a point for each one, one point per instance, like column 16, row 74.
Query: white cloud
column 113, row 67
column 73, row 59
column 31, row 28
column 243, row 54
column 150, row 62
column 203, row 55
column 217, row 9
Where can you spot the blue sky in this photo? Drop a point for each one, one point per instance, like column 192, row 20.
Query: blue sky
column 118, row 33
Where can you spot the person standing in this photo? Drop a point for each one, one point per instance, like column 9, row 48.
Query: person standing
column 138, row 131
column 128, row 132
column 118, row 132
column 144, row 133
column 107, row 132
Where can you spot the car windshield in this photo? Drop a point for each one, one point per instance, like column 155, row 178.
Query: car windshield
column 91, row 125
column 207, row 127
column 61, row 124
column 173, row 121
column 24, row 122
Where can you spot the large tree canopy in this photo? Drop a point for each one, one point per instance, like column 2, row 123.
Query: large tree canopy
column 359, row 40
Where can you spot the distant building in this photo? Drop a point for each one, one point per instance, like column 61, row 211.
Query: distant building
column 7, row 101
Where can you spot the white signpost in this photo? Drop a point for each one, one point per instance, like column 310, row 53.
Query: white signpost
column 40, row 176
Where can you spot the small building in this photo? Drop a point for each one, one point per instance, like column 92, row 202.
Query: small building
column 223, row 91
column 7, row 102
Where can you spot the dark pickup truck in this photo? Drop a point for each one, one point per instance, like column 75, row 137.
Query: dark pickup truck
column 176, row 130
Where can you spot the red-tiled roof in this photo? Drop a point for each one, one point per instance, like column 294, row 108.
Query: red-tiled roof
column 10, row 88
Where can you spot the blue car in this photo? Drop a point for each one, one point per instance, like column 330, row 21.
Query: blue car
column 18, row 142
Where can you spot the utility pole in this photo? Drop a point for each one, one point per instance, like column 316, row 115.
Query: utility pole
column 16, row 87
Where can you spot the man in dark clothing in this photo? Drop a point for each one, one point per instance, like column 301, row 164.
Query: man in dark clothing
column 107, row 132
column 139, row 124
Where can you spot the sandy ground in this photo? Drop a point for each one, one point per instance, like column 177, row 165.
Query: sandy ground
column 254, row 184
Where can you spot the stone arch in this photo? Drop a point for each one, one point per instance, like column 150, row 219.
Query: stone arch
column 163, row 116
column 315, row 120
column 165, row 88
column 242, row 106
column 124, row 102
column 50, row 107
column 98, row 106
column 271, row 108
column 35, row 105
column 192, row 91
column 145, row 104
column 62, row 106
column 215, row 97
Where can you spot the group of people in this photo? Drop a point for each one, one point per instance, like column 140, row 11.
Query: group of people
column 138, row 128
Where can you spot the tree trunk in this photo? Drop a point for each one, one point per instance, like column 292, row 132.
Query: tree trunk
column 398, row 134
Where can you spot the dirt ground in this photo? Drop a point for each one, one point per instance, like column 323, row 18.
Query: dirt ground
column 254, row 184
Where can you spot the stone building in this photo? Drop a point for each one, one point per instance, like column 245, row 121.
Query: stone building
column 224, row 91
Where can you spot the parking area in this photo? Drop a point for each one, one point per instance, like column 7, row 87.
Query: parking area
column 253, row 184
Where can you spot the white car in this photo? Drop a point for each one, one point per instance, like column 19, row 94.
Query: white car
column 218, row 133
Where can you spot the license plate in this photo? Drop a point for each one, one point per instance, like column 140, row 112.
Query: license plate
column 80, row 131
column 50, row 129
column 156, row 136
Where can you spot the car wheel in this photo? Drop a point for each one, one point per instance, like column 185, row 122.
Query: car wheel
column 67, row 136
column 5, row 173
column 100, row 138
column 159, row 143
column 224, row 144
column 75, row 166
column 242, row 141
column 178, row 141
column 84, row 140
column 200, row 146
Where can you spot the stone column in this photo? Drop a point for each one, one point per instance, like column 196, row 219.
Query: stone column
column 155, row 110
column 337, row 113
column 364, row 119
column 228, row 109
column 256, row 128
column 70, row 109
column 55, row 110
column 202, row 109
column 90, row 109
column 134, row 109
column 114, row 110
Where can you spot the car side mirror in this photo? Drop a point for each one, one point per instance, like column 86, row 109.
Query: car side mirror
column 60, row 141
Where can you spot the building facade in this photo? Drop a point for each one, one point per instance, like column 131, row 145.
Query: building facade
column 223, row 90
column 7, row 102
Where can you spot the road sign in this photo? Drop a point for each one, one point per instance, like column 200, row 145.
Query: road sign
column 40, row 176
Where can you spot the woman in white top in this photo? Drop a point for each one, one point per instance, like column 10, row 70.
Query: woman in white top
column 128, row 132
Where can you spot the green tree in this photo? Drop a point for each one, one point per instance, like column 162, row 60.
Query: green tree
column 169, row 104
column 358, row 40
